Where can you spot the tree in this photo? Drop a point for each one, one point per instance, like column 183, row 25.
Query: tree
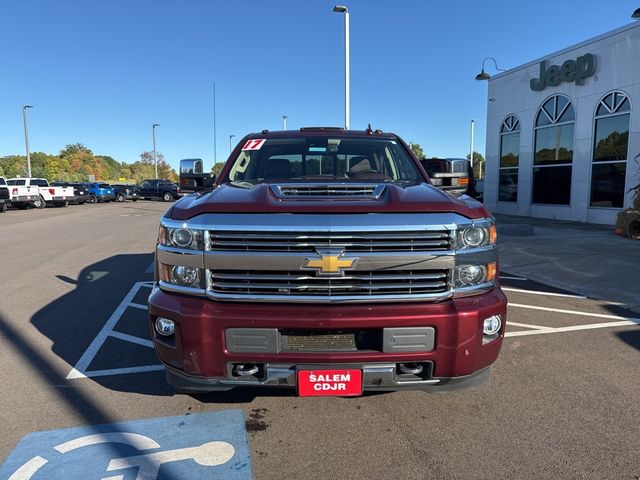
column 217, row 168
column 1, row 171
column 478, row 164
column 417, row 151
column 74, row 148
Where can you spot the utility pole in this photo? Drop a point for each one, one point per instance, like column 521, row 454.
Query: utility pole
column 345, row 11
column 26, row 137
column 231, row 137
column 215, row 152
column 284, row 122
column 473, row 122
column 155, row 158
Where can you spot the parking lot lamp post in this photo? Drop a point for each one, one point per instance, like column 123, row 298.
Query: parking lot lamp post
column 284, row 122
column 155, row 158
column 484, row 75
column 473, row 122
column 26, row 137
column 345, row 10
column 231, row 137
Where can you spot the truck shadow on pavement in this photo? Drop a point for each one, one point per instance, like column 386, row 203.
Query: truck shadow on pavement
column 73, row 321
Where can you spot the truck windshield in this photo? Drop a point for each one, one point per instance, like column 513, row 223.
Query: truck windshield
column 317, row 158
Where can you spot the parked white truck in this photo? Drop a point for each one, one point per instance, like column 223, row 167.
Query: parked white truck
column 44, row 193
column 20, row 196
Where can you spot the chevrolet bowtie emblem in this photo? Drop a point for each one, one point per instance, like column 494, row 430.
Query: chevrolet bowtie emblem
column 330, row 262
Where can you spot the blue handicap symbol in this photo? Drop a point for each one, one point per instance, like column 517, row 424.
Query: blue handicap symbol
column 209, row 445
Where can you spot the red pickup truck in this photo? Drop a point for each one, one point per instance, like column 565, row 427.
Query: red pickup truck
column 324, row 260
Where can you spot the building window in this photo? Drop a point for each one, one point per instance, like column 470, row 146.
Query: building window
column 509, row 159
column 610, row 147
column 553, row 155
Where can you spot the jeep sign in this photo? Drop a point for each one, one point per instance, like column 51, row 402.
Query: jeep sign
column 570, row 71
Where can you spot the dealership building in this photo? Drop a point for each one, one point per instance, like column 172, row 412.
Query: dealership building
column 563, row 132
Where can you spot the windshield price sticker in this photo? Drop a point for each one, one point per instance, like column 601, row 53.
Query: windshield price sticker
column 255, row 144
column 341, row 383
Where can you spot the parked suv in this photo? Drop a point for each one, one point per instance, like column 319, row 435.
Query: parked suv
column 324, row 260
column 159, row 189
column 100, row 192
column 126, row 192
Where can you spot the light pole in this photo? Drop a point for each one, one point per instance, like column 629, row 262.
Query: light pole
column 284, row 122
column 473, row 122
column 26, row 137
column 155, row 158
column 345, row 10
column 231, row 137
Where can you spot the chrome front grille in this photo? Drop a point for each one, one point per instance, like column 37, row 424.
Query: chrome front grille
column 254, row 241
column 355, row 283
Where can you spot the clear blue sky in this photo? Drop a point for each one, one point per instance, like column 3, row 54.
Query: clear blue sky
column 101, row 72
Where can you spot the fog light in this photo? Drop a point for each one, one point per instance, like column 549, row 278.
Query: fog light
column 165, row 327
column 185, row 276
column 491, row 325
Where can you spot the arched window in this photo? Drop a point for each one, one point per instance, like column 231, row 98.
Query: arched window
column 509, row 159
column 610, row 151
column 553, row 156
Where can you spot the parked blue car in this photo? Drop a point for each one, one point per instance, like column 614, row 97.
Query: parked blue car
column 100, row 192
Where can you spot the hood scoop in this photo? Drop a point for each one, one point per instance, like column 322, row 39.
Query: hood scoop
column 314, row 191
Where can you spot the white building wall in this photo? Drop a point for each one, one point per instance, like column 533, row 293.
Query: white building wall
column 618, row 68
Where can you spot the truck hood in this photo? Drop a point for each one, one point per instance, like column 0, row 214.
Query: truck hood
column 420, row 198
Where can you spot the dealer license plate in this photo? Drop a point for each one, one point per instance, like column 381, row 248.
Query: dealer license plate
column 319, row 383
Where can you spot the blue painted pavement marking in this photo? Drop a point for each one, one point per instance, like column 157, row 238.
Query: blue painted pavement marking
column 150, row 268
column 209, row 445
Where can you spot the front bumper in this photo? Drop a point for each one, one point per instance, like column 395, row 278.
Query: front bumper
column 106, row 198
column 197, row 357
column 80, row 198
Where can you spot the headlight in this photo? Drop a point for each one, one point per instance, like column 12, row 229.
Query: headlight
column 181, row 276
column 473, row 275
column 181, row 237
column 476, row 237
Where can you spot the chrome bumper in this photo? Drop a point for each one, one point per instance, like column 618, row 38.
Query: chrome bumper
column 375, row 377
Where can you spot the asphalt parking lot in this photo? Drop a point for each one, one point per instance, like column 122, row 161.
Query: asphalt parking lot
column 561, row 402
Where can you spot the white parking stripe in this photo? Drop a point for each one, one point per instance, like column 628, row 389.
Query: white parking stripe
column 537, row 292
column 131, row 339
column 123, row 371
column 526, row 325
column 137, row 305
column 572, row 328
column 575, row 312
column 513, row 278
column 80, row 368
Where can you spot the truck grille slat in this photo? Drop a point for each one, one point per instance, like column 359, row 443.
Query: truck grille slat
column 364, row 283
column 350, row 242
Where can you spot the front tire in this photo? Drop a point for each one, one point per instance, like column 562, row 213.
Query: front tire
column 39, row 202
column 93, row 199
column 3, row 208
column 167, row 197
column 120, row 198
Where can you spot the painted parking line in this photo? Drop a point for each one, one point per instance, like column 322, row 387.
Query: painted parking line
column 537, row 292
column 508, row 277
column 149, row 268
column 81, row 368
column 210, row 445
column 539, row 330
